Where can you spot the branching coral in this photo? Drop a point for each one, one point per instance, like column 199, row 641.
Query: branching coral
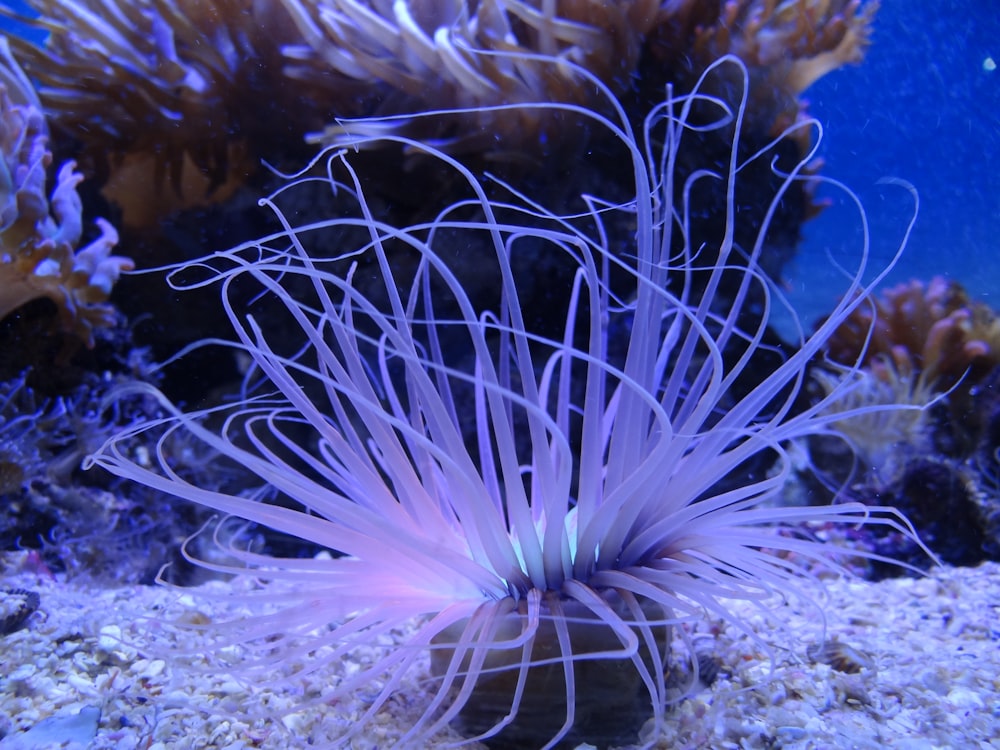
column 532, row 508
column 39, row 237
column 931, row 331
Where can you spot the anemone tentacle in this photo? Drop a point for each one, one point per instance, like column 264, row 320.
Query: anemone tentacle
column 588, row 494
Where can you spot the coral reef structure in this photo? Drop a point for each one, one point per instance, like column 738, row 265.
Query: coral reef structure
column 81, row 523
column 921, row 416
column 173, row 105
column 199, row 90
column 40, row 236
column 928, row 331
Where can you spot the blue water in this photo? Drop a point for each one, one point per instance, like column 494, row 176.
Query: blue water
column 6, row 24
column 924, row 107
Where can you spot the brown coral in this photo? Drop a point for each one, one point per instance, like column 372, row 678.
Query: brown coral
column 186, row 82
column 159, row 90
column 933, row 331
column 796, row 42
column 787, row 46
column 39, row 237
column 474, row 54
column 480, row 54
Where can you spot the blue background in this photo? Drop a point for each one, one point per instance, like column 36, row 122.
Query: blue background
column 921, row 107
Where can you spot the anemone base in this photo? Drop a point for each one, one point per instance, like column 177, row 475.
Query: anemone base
column 611, row 701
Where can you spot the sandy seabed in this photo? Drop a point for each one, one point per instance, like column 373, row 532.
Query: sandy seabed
column 909, row 663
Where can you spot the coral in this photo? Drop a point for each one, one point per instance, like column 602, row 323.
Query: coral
column 787, row 46
column 928, row 331
column 39, row 256
column 796, row 42
column 81, row 523
column 922, row 417
column 168, row 89
column 493, row 55
column 484, row 487
column 884, row 417
column 477, row 55
column 188, row 88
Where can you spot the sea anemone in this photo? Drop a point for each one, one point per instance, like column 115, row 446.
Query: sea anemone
column 538, row 512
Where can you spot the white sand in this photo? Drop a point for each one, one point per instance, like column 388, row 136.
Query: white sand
column 928, row 651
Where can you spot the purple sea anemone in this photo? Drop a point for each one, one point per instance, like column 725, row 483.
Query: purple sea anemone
column 536, row 512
